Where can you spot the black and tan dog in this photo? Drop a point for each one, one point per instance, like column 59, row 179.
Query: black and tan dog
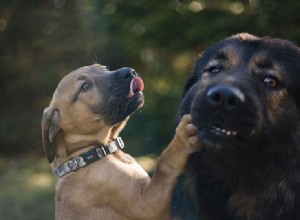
column 80, row 135
column 244, row 96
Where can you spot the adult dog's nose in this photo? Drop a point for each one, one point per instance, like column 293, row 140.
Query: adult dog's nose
column 224, row 96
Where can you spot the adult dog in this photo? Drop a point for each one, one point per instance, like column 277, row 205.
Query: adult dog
column 97, row 180
column 244, row 97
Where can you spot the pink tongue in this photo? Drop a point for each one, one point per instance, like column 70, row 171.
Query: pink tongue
column 136, row 85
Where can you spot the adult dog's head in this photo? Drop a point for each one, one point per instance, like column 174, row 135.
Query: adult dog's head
column 90, row 106
column 244, row 96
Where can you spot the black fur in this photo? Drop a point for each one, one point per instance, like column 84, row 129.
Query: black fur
column 244, row 96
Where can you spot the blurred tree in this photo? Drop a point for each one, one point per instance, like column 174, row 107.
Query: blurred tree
column 41, row 41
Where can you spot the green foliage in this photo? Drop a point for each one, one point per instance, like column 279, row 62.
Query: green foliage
column 41, row 41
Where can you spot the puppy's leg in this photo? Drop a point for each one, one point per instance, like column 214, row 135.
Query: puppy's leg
column 184, row 143
column 157, row 194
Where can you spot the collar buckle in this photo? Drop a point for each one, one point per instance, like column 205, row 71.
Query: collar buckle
column 101, row 152
column 120, row 142
column 73, row 164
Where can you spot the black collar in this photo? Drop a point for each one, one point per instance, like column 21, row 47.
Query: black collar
column 89, row 157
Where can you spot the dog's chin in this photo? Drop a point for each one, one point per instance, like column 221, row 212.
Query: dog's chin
column 133, row 103
column 229, row 146
column 126, row 108
column 137, row 99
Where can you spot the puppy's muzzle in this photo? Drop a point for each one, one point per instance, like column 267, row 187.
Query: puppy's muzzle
column 126, row 73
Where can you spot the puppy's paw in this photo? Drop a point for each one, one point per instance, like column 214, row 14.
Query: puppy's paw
column 186, row 136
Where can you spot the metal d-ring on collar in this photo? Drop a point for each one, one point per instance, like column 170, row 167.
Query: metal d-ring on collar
column 89, row 157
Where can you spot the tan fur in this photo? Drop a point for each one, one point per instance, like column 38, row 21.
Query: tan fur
column 115, row 187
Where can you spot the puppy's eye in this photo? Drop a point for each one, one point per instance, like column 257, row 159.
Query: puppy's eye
column 213, row 69
column 86, row 86
column 270, row 82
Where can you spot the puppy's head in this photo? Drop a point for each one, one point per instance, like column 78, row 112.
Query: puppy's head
column 90, row 105
column 243, row 96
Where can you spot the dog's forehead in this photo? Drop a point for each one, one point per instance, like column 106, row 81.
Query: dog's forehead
column 67, row 82
column 265, row 55
column 229, row 52
column 93, row 70
column 280, row 55
column 232, row 48
column 247, row 47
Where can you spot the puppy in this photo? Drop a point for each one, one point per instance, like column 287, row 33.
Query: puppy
column 97, row 180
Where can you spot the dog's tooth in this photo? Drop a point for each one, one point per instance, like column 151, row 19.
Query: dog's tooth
column 224, row 131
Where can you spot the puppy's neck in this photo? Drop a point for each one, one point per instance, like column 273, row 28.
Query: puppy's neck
column 71, row 145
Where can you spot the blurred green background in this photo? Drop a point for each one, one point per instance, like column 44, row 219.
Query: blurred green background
column 42, row 40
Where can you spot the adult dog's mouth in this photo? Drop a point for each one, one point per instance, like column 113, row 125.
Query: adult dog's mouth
column 218, row 131
column 216, row 136
column 229, row 143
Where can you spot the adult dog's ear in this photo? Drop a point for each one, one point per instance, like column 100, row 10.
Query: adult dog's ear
column 194, row 77
column 50, row 129
column 189, row 89
column 189, row 83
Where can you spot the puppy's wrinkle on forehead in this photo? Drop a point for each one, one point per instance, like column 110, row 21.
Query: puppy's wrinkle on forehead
column 82, row 77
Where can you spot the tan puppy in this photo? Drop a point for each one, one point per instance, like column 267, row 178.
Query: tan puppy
column 97, row 180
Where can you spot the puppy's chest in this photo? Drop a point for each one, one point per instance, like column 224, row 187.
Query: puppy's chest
column 101, row 180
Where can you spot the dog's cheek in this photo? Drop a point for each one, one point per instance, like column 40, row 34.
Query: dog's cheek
column 81, row 116
column 282, row 112
column 186, row 102
column 283, row 117
column 275, row 108
column 198, row 106
column 115, row 112
column 196, row 110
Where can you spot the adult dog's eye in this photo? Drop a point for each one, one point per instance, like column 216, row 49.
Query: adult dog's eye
column 270, row 82
column 213, row 69
column 86, row 86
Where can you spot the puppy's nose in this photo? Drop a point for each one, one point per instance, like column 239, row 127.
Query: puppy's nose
column 133, row 73
column 127, row 73
column 223, row 96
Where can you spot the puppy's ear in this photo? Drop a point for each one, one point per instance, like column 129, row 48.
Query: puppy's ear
column 50, row 129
